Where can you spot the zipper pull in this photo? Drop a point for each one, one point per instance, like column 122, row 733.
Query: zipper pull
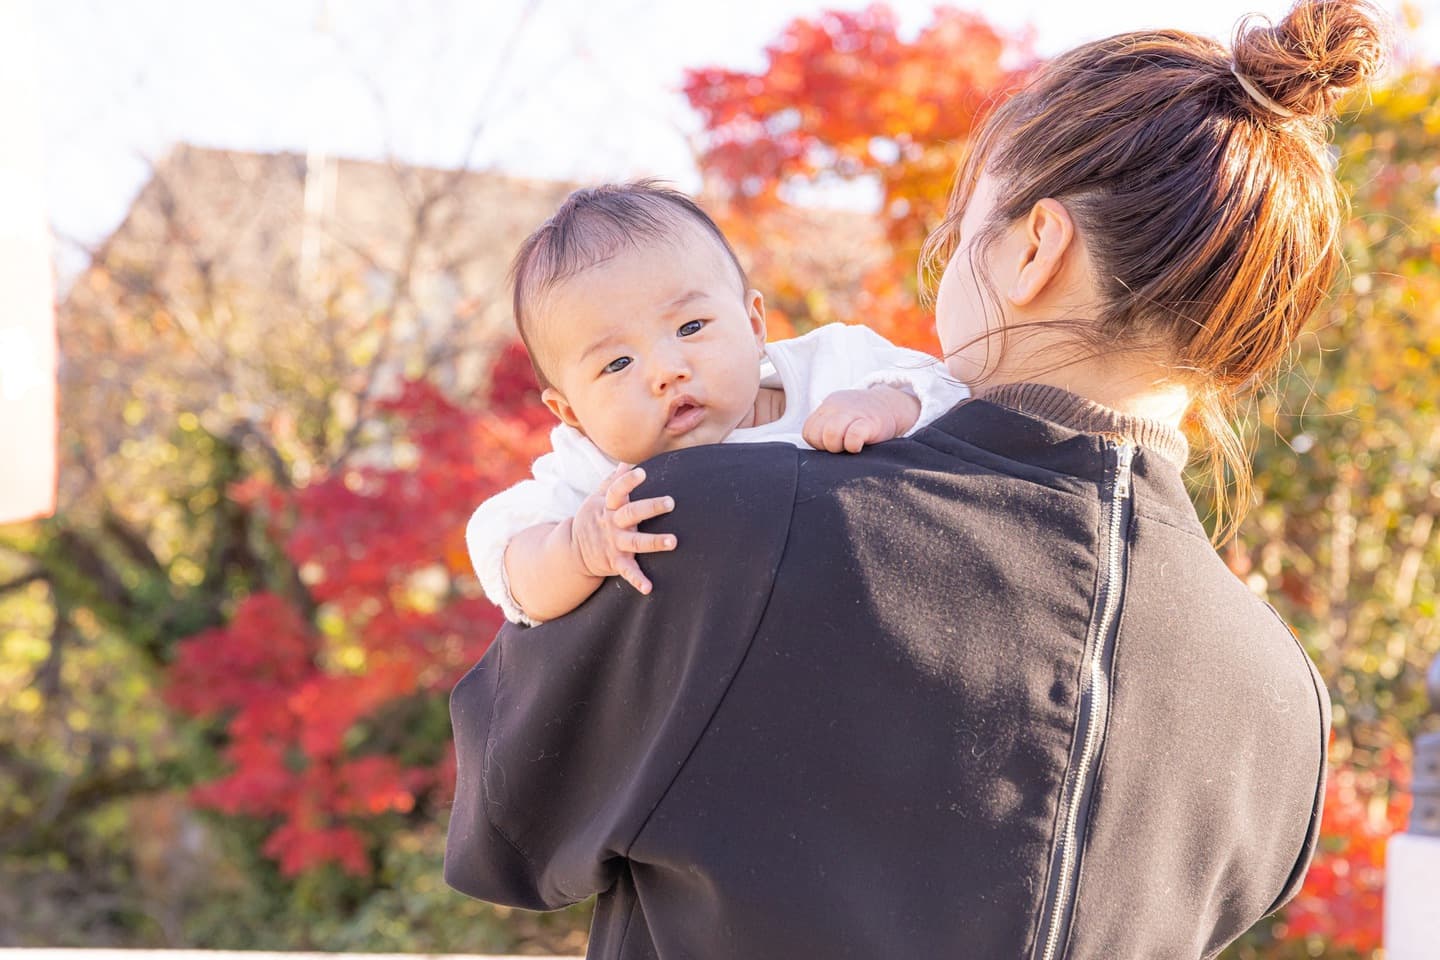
column 1124, row 457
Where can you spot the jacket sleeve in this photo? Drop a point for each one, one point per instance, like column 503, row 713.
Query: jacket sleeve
column 568, row 734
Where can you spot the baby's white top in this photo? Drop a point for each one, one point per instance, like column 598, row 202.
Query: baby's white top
column 809, row 369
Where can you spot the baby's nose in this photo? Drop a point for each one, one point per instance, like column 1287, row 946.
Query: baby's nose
column 670, row 371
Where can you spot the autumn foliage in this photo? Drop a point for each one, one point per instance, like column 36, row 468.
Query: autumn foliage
column 315, row 696
column 845, row 97
column 305, row 703
column 1342, row 902
column 305, row 695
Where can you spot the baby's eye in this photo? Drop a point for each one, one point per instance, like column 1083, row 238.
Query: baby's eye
column 691, row 328
column 616, row 365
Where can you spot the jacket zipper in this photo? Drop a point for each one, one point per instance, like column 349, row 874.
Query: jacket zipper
column 1076, row 793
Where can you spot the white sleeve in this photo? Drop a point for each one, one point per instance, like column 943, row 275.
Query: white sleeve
column 919, row 374
column 561, row 481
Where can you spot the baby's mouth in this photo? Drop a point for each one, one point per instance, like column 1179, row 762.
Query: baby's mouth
column 685, row 415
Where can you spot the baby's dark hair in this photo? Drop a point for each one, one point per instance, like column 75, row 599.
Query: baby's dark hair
column 591, row 226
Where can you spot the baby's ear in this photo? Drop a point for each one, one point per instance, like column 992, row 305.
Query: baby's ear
column 560, row 407
column 755, row 309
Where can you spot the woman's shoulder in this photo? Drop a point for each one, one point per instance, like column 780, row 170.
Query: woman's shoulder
column 744, row 484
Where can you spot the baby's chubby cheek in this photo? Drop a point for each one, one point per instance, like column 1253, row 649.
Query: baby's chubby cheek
column 626, row 440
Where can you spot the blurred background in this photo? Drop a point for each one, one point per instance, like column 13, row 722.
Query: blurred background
column 287, row 374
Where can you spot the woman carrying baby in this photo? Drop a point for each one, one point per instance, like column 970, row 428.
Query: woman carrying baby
column 984, row 689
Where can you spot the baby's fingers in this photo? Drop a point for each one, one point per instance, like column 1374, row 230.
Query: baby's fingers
column 820, row 428
column 832, row 438
column 636, row 511
column 629, row 571
column 811, row 431
column 618, row 492
column 633, row 542
column 858, row 434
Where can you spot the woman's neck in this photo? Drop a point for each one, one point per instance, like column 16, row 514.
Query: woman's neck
column 1040, row 343
column 1132, row 384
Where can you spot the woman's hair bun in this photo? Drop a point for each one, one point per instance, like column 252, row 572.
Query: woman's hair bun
column 1320, row 51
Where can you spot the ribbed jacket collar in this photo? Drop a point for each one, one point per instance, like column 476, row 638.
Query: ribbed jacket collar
column 1077, row 413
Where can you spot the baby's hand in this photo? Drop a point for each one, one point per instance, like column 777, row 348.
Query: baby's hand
column 603, row 533
column 849, row 419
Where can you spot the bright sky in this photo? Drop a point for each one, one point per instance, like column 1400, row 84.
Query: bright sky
column 584, row 89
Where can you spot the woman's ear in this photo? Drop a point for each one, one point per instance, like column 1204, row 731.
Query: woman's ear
column 560, row 407
column 1046, row 236
column 755, row 309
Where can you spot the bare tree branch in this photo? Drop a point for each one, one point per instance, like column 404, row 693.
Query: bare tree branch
column 23, row 580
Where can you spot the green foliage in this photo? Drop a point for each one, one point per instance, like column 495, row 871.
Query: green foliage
column 405, row 907
column 1345, row 543
column 97, row 845
column 1349, row 457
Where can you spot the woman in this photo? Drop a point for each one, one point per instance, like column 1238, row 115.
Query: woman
column 988, row 691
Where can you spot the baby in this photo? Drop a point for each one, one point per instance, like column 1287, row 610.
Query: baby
column 646, row 338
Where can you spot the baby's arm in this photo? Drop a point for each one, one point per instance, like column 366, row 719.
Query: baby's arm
column 895, row 391
column 552, row 568
column 849, row 419
column 532, row 511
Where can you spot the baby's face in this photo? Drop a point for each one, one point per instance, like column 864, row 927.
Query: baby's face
column 655, row 349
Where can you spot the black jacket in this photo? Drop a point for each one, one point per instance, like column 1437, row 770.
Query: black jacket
column 987, row 692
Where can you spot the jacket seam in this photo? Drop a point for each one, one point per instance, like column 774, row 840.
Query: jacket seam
column 740, row 665
column 919, row 437
column 625, row 930
column 1315, row 804
column 1179, row 528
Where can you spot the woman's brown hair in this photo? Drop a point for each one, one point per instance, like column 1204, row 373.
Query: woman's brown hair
column 1202, row 185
